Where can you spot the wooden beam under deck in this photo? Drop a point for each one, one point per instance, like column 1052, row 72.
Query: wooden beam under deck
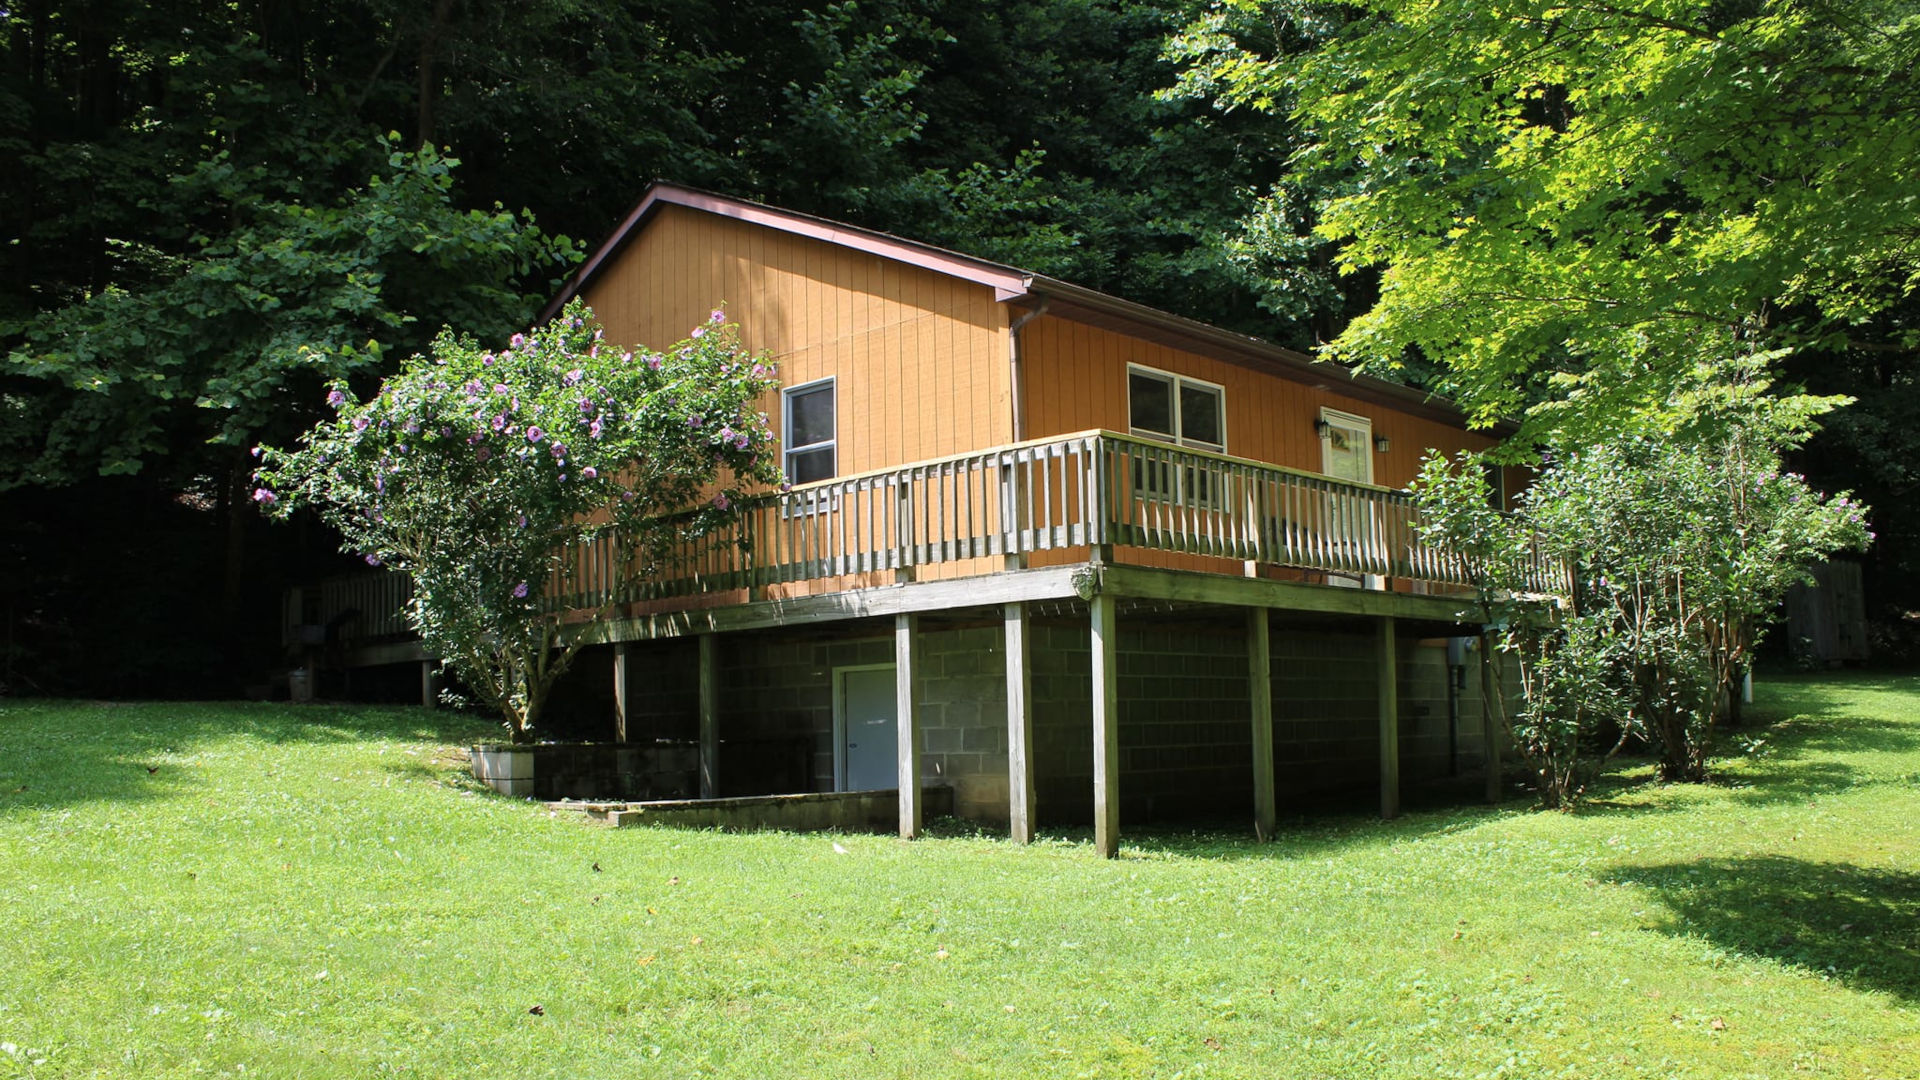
column 1118, row 580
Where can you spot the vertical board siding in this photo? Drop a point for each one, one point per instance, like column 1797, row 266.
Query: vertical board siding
column 1077, row 380
column 919, row 358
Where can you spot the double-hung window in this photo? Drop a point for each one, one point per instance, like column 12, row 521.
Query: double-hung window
column 1182, row 411
column 807, row 417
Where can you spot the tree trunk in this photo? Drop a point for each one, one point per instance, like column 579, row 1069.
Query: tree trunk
column 427, row 90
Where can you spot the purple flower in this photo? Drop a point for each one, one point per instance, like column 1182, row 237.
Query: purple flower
column 559, row 449
column 256, row 451
column 486, row 359
column 699, row 332
column 499, row 421
column 523, row 521
column 740, row 441
column 721, row 502
column 265, row 497
column 626, row 358
column 500, row 388
column 515, row 342
column 373, row 560
column 589, row 473
column 726, row 433
column 693, row 421
column 534, row 434
column 653, row 362
column 520, row 590
column 593, row 429
column 411, row 427
column 483, row 454
column 359, row 423
column 573, row 377
column 717, row 316
column 336, row 399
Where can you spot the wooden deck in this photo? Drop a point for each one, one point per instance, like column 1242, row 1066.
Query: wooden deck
column 1093, row 497
column 1047, row 519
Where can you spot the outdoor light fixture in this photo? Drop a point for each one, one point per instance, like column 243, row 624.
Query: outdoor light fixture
column 1322, row 428
column 1382, row 443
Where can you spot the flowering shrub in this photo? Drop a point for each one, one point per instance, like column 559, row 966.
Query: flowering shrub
column 483, row 472
column 1680, row 545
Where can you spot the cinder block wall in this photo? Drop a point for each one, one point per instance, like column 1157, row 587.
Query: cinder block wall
column 1185, row 743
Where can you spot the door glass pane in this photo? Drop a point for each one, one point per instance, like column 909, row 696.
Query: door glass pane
column 806, row 466
column 1200, row 415
column 811, row 413
column 1152, row 403
column 1346, row 454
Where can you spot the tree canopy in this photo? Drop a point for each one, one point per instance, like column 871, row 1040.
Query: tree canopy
column 1574, row 205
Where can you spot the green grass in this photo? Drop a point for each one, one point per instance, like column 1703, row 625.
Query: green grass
column 318, row 892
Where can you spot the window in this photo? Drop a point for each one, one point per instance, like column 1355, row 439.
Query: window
column 1176, row 409
column 807, row 418
column 1496, row 485
column 1182, row 411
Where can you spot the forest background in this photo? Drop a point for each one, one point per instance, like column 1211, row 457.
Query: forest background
column 208, row 210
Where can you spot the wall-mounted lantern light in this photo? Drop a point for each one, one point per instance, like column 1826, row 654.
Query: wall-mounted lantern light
column 1322, row 428
column 1382, row 444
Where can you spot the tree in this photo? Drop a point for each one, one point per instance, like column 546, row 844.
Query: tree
column 1679, row 547
column 486, row 474
column 1574, row 204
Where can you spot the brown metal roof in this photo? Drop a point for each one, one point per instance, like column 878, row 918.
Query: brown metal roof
column 1021, row 288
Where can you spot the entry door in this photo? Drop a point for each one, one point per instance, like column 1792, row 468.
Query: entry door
column 1347, row 448
column 868, row 724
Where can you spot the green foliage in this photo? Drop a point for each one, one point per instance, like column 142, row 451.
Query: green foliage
column 1573, row 205
column 484, row 474
column 1679, row 546
column 217, row 341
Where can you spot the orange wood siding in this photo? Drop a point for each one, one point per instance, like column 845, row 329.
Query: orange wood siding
column 919, row 358
column 1076, row 379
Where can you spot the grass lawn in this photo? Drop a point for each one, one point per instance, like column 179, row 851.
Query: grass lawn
column 278, row 891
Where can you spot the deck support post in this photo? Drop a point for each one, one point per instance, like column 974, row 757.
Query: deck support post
column 1388, row 668
column 621, row 661
column 906, row 678
column 429, row 683
column 1106, row 726
column 1019, row 725
column 709, row 717
column 1260, row 696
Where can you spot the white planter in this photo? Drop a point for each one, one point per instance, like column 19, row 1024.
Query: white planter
column 506, row 769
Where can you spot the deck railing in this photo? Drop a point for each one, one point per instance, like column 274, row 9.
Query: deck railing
column 1092, row 489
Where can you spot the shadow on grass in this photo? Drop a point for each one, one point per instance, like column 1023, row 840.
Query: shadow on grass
column 55, row 753
column 1856, row 924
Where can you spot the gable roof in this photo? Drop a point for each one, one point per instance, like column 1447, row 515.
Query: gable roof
column 1026, row 290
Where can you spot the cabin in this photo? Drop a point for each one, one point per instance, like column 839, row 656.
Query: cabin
column 1062, row 557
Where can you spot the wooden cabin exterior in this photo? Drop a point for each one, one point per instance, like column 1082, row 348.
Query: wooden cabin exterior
column 1068, row 555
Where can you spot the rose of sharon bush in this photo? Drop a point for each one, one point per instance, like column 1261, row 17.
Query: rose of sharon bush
column 483, row 473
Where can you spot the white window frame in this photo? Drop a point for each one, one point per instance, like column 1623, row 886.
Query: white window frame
column 787, row 449
column 1178, row 380
column 1188, row 487
column 1336, row 418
